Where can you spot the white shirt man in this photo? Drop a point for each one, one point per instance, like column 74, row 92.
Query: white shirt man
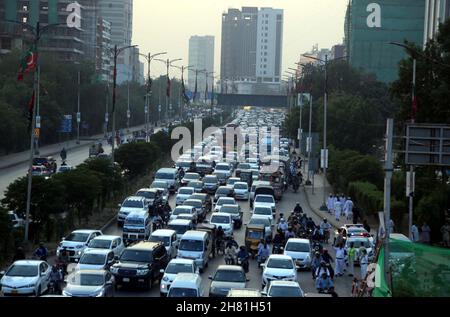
column 348, row 208
column 415, row 233
column 330, row 203
column 337, row 209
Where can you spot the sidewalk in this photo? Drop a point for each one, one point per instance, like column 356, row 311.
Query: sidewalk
column 15, row 159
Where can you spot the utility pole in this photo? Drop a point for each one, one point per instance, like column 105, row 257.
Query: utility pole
column 128, row 104
column 387, row 197
column 325, row 149
column 78, row 107
column 411, row 168
column 309, row 145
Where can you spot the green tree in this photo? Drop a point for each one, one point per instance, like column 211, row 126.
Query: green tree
column 137, row 158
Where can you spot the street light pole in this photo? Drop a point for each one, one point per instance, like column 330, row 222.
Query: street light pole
column 78, row 109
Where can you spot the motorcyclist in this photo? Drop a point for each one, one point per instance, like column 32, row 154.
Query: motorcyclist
column 41, row 252
column 298, row 209
column 295, row 182
column 278, row 242
column 263, row 253
column 181, row 172
column 324, row 284
column 289, row 234
column 322, row 269
column 220, row 235
column 232, row 242
column 310, row 224
column 283, row 226
column 243, row 257
column 315, row 263
column 64, row 260
column 303, row 220
column 57, row 278
column 157, row 221
column 230, row 253
column 325, row 227
column 63, row 154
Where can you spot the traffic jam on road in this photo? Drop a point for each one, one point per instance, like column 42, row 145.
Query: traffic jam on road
column 221, row 222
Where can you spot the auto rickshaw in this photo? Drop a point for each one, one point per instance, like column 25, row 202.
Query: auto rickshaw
column 253, row 235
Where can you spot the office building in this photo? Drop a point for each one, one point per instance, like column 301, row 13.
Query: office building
column 436, row 12
column 370, row 27
column 201, row 57
column 251, row 52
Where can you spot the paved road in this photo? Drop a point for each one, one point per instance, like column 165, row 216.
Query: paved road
column 343, row 284
column 74, row 158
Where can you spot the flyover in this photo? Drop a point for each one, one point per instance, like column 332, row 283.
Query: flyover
column 269, row 101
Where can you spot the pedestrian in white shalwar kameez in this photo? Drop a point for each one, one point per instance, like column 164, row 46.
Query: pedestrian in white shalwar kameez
column 348, row 208
column 330, row 203
column 337, row 209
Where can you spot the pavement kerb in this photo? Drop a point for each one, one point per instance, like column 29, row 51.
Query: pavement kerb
column 318, row 213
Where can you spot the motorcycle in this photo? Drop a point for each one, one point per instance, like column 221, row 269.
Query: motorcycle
column 278, row 249
column 243, row 262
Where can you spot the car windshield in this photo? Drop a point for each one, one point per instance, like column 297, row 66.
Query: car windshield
column 130, row 255
column 93, row 259
column 175, row 268
column 164, row 176
column 254, row 234
column 90, row 280
column 133, row 204
column 280, row 264
column 182, row 292
column 191, row 245
column 191, row 176
column 262, row 211
column 165, row 240
column 230, row 210
column 260, row 221
column 360, row 243
column 178, row 211
column 195, row 184
column 77, row 237
column 134, row 221
column 210, row 180
column 99, row 244
column 185, row 191
column 230, row 276
column 159, row 185
column 264, row 199
column 244, row 166
column 222, row 168
column 240, row 186
column 183, row 164
column 229, row 201
column 280, row 291
column 179, row 229
column 220, row 219
column 146, row 194
column 23, row 270
column 223, row 191
column 297, row 247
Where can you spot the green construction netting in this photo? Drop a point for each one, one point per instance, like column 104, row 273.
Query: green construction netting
column 418, row 270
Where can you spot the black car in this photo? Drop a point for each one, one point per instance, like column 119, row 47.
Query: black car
column 140, row 264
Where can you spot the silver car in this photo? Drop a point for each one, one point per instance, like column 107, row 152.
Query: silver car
column 90, row 283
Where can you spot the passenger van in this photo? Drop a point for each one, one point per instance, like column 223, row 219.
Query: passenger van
column 136, row 227
column 196, row 245
column 169, row 175
column 186, row 285
column 180, row 226
column 256, row 184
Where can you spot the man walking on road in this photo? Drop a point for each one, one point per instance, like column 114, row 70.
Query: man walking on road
column 348, row 208
column 330, row 203
column 337, row 209
column 340, row 259
column 426, row 233
column 414, row 233
column 351, row 259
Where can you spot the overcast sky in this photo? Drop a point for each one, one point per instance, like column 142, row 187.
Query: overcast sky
column 166, row 25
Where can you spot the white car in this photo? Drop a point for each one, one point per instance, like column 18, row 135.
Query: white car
column 129, row 205
column 27, row 277
column 283, row 289
column 113, row 243
column 169, row 238
column 164, row 188
column 96, row 259
column 241, row 190
column 183, row 194
column 174, row 267
column 300, row 251
column 76, row 242
column 278, row 267
column 266, row 201
column 189, row 177
column 225, row 168
column 223, row 220
column 226, row 278
column 259, row 210
column 183, row 210
column 224, row 201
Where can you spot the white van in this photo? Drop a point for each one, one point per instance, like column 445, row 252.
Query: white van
column 169, row 238
column 137, row 226
column 186, row 285
column 195, row 245
column 169, row 175
column 180, row 226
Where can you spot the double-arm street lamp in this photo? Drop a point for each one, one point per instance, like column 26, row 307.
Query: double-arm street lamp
column 35, row 122
column 181, row 92
column 149, row 57
column 116, row 53
column 324, row 154
column 168, row 64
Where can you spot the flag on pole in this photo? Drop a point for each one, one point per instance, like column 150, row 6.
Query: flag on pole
column 28, row 63
column 195, row 90
column 206, row 92
column 183, row 90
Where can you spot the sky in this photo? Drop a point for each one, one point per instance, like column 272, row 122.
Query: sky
column 166, row 25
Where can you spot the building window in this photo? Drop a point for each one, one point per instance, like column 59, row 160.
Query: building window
column 265, row 41
column 267, row 28
column 265, row 53
column 265, row 72
column 265, row 46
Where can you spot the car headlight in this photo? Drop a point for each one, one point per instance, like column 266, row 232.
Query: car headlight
column 213, row 289
column 165, row 279
column 142, row 272
column 114, row 270
column 79, row 252
column 291, row 276
column 30, row 285
column 79, row 246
